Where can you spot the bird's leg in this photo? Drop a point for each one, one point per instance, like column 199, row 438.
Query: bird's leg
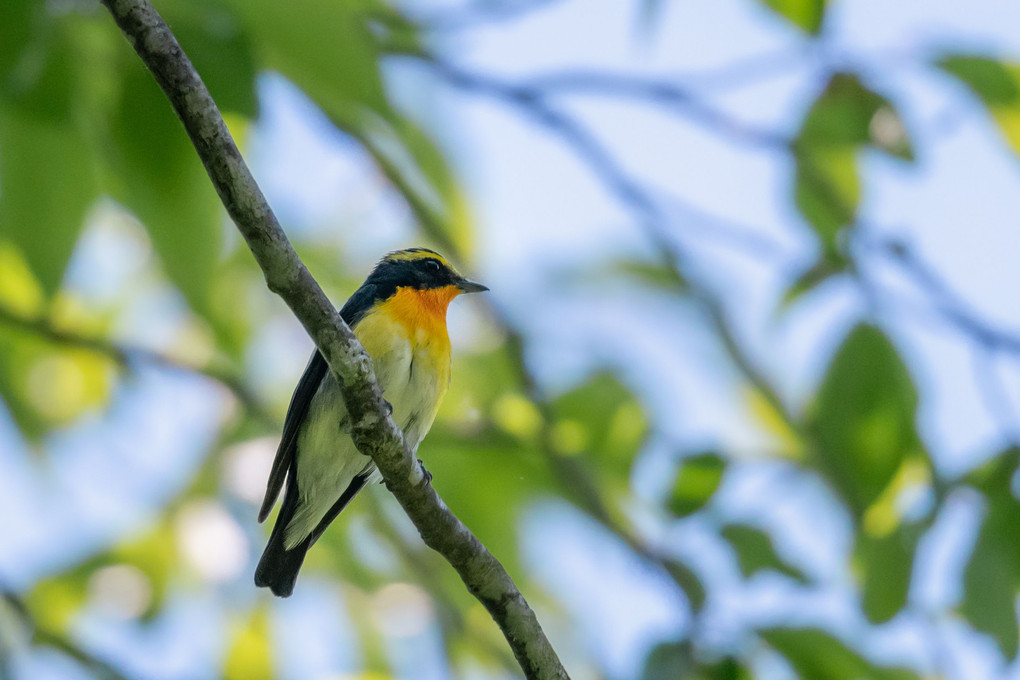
column 425, row 472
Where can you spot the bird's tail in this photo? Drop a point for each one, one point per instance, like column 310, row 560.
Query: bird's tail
column 278, row 569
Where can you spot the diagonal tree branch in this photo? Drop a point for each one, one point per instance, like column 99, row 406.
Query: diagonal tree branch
column 373, row 431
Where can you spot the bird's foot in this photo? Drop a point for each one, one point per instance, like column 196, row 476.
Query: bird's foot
column 425, row 472
column 389, row 408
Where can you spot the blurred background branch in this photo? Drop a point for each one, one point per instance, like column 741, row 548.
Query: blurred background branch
column 128, row 356
column 41, row 636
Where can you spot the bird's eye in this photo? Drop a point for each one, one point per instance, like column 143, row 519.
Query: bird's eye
column 432, row 266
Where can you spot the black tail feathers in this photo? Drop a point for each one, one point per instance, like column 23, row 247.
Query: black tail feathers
column 278, row 569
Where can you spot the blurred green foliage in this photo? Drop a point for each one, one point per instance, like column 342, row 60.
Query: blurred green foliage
column 997, row 83
column 696, row 482
column 805, row 14
column 815, row 654
column 755, row 552
column 81, row 122
column 845, row 118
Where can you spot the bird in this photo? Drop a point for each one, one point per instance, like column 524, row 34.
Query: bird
column 399, row 316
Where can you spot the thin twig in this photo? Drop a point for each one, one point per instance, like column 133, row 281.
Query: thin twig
column 372, row 429
column 479, row 12
column 948, row 302
column 60, row 642
column 631, row 194
column 128, row 356
column 659, row 92
column 996, row 396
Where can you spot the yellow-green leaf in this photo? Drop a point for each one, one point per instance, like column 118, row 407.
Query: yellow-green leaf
column 249, row 655
column 697, row 481
column 610, row 422
column 846, row 117
column 997, row 83
column 805, row 14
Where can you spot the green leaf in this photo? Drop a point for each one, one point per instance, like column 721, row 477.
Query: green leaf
column 846, row 117
column 677, row 660
column 863, row 418
column 997, row 83
column 817, row 655
column 324, row 47
column 697, row 481
column 668, row 661
column 886, row 565
column 844, row 114
column 602, row 418
column 991, row 581
column 991, row 585
column 42, row 73
column 30, row 424
column 805, row 14
column 827, row 191
column 249, row 654
column 165, row 185
column 16, row 32
column 472, row 472
column 755, row 552
column 47, row 184
column 220, row 50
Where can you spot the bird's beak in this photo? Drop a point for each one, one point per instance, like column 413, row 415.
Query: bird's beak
column 466, row 286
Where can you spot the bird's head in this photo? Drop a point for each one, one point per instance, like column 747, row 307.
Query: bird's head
column 421, row 269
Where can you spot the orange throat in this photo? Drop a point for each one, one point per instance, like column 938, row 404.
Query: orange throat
column 421, row 309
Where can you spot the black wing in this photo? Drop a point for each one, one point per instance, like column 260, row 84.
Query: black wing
column 306, row 388
column 352, row 312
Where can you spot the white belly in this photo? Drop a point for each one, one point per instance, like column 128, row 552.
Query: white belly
column 328, row 461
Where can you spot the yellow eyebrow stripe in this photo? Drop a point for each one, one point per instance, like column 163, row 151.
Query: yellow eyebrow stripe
column 416, row 254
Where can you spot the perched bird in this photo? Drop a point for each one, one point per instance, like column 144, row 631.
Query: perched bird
column 399, row 316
